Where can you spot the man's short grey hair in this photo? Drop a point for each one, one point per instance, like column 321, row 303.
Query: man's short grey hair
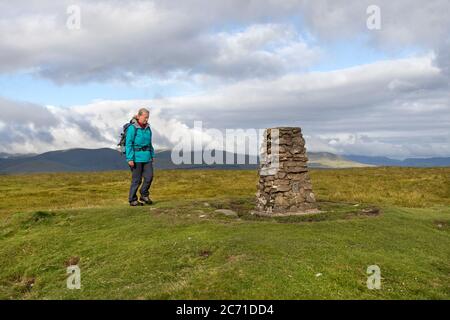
column 142, row 111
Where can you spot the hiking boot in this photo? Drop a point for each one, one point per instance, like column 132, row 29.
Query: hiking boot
column 135, row 203
column 146, row 200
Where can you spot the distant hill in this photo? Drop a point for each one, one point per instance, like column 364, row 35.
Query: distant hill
column 316, row 160
column 102, row 160
column 110, row 159
column 164, row 161
column 331, row 160
column 65, row 160
column 409, row 162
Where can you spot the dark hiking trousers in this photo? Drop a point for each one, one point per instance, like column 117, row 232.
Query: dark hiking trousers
column 139, row 171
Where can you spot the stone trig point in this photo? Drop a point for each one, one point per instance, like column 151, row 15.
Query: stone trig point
column 284, row 186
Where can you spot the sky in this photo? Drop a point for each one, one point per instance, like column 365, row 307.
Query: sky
column 357, row 81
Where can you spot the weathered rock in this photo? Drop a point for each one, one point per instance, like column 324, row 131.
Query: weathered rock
column 280, row 175
column 281, row 201
column 296, row 169
column 298, row 176
column 282, row 188
column 226, row 212
column 310, row 197
column 280, row 182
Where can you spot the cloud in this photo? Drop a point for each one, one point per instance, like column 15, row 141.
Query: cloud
column 442, row 59
column 403, row 22
column 22, row 123
column 250, row 63
column 398, row 108
column 31, row 128
column 123, row 40
column 259, row 51
column 116, row 39
column 367, row 90
column 26, row 113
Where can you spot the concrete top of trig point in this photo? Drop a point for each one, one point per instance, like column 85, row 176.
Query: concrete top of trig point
column 286, row 128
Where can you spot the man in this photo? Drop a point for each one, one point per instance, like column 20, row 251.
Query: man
column 140, row 156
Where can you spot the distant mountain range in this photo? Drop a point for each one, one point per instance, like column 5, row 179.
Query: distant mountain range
column 409, row 162
column 331, row 160
column 110, row 159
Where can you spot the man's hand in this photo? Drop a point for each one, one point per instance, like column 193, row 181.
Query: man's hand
column 131, row 164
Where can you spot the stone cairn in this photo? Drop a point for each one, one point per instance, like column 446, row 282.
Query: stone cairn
column 284, row 186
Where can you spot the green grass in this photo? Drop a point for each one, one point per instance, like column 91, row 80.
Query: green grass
column 181, row 248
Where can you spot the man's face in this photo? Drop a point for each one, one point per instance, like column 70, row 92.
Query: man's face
column 143, row 118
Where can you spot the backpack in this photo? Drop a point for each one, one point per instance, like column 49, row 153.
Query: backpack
column 123, row 137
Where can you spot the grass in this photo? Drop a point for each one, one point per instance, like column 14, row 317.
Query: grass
column 180, row 248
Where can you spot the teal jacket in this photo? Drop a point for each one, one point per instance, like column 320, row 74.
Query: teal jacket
column 143, row 139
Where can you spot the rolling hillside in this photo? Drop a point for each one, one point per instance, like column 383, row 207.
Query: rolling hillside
column 408, row 162
column 109, row 159
column 105, row 159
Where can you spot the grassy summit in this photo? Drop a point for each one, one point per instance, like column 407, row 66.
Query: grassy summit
column 396, row 218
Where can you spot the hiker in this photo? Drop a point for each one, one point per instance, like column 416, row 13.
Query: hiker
column 140, row 154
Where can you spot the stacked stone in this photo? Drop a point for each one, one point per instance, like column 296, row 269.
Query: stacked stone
column 284, row 187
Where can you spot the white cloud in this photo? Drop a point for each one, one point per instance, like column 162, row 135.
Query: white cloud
column 261, row 50
column 398, row 108
column 128, row 39
column 125, row 40
column 250, row 59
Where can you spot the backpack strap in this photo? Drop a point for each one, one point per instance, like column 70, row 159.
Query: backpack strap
column 134, row 139
column 135, row 133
